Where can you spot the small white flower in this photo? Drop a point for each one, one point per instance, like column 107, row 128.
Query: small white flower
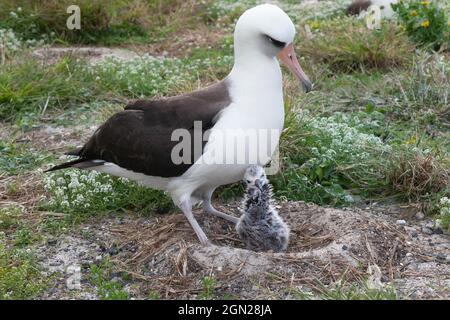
column 73, row 184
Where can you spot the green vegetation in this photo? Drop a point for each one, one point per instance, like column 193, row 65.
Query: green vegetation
column 85, row 193
column 345, row 45
column 23, row 237
column 16, row 158
column 208, row 284
column 9, row 217
column 444, row 213
column 20, row 277
column 327, row 154
column 357, row 293
column 111, row 23
column 362, row 292
column 107, row 288
column 346, row 291
column 29, row 87
column 425, row 22
column 153, row 295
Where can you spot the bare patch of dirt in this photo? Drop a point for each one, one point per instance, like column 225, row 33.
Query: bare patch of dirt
column 180, row 45
column 94, row 55
column 24, row 190
column 161, row 253
column 184, row 43
column 57, row 139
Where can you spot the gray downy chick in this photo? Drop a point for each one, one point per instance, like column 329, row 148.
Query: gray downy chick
column 260, row 226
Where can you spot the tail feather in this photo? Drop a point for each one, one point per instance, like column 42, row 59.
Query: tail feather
column 78, row 163
column 74, row 152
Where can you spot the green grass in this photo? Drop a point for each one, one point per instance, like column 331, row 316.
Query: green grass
column 153, row 295
column 20, row 277
column 29, row 88
column 10, row 217
column 110, row 23
column 445, row 221
column 359, row 292
column 346, row 45
column 208, row 292
column 107, row 288
column 23, row 237
column 17, row 158
column 346, row 291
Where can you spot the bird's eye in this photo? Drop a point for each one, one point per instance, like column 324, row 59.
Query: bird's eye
column 276, row 43
column 248, row 181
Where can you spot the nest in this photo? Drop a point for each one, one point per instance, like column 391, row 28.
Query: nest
column 327, row 246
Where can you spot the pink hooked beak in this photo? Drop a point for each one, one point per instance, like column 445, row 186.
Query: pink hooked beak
column 288, row 57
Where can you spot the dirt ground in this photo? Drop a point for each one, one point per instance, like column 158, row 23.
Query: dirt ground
column 327, row 245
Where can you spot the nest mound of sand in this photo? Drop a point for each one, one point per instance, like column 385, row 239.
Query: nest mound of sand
column 327, row 245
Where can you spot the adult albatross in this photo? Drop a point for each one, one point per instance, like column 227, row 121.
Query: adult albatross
column 138, row 143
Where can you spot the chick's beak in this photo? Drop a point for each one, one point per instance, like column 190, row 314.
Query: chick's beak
column 289, row 59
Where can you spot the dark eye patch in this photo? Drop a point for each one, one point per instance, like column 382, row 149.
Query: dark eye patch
column 276, row 43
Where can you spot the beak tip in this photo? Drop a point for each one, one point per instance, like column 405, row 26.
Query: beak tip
column 307, row 86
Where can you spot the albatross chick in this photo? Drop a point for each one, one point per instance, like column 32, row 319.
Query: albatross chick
column 260, row 226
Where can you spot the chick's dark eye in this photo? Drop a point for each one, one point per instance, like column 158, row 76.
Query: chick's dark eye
column 248, row 181
column 276, row 43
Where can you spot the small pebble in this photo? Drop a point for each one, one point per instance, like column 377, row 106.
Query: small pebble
column 401, row 222
column 55, row 263
column 441, row 257
column 427, row 230
column 420, row 215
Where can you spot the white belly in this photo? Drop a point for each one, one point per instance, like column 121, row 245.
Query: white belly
column 240, row 137
column 159, row 183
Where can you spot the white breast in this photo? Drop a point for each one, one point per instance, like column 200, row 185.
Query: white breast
column 256, row 109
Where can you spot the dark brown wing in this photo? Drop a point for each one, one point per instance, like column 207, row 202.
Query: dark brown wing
column 139, row 138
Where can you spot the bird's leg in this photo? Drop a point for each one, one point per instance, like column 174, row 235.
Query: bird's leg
column 207, row 206
column 186, row 207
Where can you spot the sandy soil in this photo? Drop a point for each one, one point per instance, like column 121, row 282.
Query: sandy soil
column 328, row 245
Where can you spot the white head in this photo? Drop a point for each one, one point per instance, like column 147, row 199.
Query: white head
column 268, row 31
column 255, row 176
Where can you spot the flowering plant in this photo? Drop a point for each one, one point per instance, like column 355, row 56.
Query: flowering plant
column 79, row 192
column 9, row 43
column 425, row 22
